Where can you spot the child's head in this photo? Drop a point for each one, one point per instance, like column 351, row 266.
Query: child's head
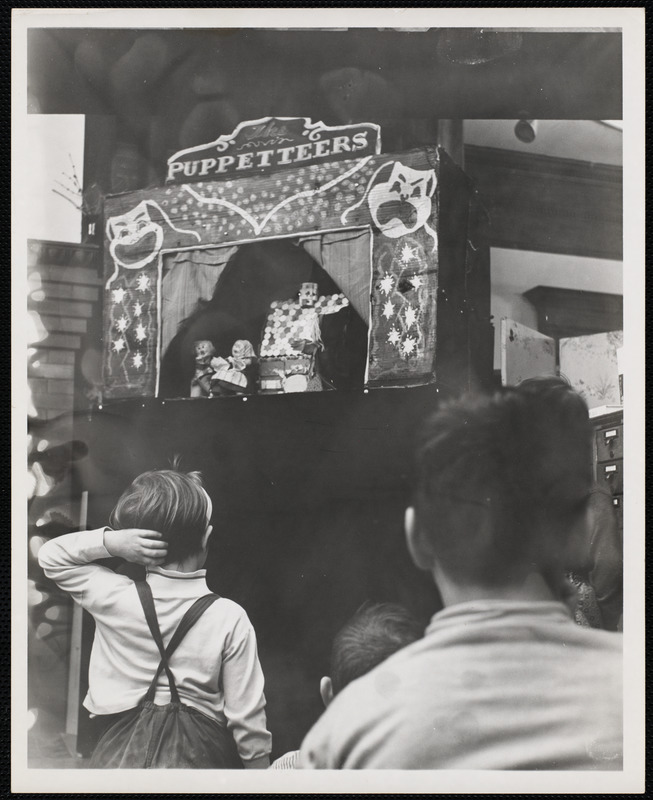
column 376, row 631
column 502, row 482
column 173, row 503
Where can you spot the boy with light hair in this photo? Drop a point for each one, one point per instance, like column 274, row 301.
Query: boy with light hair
column 162, row 521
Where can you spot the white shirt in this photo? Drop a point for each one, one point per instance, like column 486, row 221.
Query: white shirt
column 216, row 666
column 492, row 685
column 286, row 761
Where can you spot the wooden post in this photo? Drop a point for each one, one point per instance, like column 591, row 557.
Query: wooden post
column 450, row 137
column 75, row 659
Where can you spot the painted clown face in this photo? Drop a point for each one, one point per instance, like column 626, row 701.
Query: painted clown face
column 135, row 239
column 402, row 204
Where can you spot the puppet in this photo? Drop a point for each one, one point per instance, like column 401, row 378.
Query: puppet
column 292, row 339
column 200, row 386
column 233, row 375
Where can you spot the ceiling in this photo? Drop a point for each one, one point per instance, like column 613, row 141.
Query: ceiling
column 443, row 73
column 147, row 94
column 154, row 92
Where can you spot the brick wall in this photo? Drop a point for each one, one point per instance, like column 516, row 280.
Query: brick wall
column 65, row 292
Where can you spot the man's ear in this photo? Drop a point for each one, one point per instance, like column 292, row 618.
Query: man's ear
column 326, row 690
column 418, row 547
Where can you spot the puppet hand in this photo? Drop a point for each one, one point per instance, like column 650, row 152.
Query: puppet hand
column 137, row 546
column 303, row 345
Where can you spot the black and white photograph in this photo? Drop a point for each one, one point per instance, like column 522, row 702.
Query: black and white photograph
column 328, row 345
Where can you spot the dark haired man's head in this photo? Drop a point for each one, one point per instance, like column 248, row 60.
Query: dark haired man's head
column 502, row 482
column 173, row 503
column 375, row 632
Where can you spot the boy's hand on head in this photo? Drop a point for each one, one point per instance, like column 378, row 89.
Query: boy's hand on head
column 137, row 545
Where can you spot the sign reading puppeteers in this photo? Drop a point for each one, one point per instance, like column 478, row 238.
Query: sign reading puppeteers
column 273, row 143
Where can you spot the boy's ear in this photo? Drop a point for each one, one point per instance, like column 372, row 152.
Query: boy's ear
column 418, row 547
column 205, row 538
column 326, row 690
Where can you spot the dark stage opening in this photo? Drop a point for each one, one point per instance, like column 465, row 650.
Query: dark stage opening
column 246, row 280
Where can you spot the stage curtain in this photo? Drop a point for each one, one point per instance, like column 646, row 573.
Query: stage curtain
column 188, row 277
column 346, row 257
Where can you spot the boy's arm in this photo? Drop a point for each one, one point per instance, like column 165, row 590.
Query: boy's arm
column 244, row 701
column 68, row 560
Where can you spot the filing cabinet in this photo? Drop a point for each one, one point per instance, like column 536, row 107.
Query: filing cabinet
column 609, row 475
column 608, row 458
column 609, row 442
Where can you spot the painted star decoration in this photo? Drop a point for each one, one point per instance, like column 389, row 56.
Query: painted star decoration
column 386, row 284
column 411, row 316
column 143, row 283
column 122, row 323
column 141, row 333
column 408, row 345
column 393, row 336
column 138, row 309
column 388, row 309
column 137, row 360
column 416, row 281
column 119, row 345
column 407, row 253
column 118, row 295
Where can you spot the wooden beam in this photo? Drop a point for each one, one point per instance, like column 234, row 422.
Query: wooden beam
column 75, row 656
column 550, row 205
column 571, row 312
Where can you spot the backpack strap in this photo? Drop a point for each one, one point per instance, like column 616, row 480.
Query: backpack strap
column 187, row 621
